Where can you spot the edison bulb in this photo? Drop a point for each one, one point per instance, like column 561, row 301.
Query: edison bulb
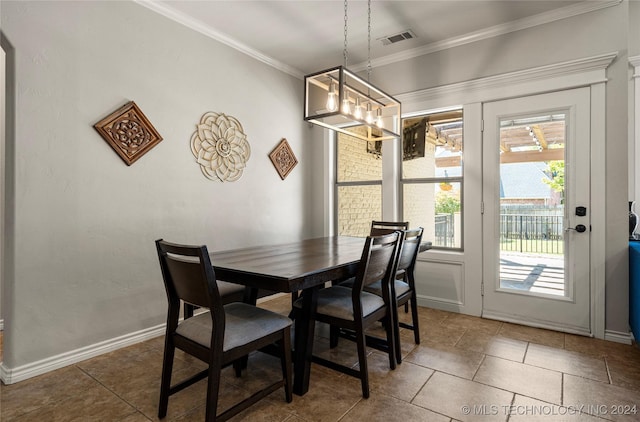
column 332, row 102
column 369, row 116
column 379, row 118
column 358, row 111
column 346, row 104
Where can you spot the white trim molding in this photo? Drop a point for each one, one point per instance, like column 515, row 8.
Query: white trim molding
column 21, row 373
column 634, row 123
column 618, row 337
column 553, row 77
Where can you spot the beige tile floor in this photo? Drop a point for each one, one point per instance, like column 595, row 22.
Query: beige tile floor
column 465, row 369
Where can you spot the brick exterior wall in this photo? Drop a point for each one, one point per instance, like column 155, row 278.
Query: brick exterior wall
column 357, row 205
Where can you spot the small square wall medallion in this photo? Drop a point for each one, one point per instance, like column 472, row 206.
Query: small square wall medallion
column 129, row 132
column 283, row 159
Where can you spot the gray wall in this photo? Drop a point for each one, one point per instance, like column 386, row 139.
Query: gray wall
column 81, row 263
column 590, row 34
column 80, row 224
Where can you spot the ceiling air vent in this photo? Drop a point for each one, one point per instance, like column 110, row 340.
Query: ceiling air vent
column 392, row 39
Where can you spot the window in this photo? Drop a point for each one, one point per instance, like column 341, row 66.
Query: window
column 358, row 185
column 432, row 177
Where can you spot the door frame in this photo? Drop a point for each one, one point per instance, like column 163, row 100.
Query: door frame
column 584, row 72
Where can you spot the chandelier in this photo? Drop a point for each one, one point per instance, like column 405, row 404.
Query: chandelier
column 340, row 100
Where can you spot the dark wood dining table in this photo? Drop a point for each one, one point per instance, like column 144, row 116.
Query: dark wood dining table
column 305, row 266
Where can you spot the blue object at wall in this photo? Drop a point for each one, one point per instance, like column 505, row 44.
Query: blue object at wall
column 634, row 289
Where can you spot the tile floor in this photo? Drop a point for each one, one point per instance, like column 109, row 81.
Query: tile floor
column 465, row 369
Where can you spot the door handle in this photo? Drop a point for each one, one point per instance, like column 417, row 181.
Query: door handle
column 580, row 228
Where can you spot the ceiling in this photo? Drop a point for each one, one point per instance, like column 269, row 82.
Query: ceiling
column 305, row 36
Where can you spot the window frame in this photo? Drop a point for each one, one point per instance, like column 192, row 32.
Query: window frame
column 433, row 181
column 338, row 184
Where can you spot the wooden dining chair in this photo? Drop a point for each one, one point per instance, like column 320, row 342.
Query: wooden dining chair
column 404, row 286
column 403, row 289
column 384, row 227
column 356, row 310
column 223, row 335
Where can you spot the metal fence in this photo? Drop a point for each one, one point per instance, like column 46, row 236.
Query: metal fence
column 518, row 233
column 532, row 233
column 444, row 231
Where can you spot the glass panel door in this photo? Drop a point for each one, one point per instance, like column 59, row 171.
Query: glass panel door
column 532, row 164
column 536, row 199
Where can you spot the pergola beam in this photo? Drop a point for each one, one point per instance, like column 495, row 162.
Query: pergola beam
column 555, row 154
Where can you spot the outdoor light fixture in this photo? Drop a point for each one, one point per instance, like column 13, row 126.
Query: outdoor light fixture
column 340, row 100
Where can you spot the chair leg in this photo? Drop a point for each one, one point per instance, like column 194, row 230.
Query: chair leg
column 393, row 337
column 213, row 388
column 238, row 367
column 394, row 334
column 188, row 310
column 414, row 317
column 406, row 308
column 165, row 382
column 362, row 361
column 334, row 335
column 285, row 360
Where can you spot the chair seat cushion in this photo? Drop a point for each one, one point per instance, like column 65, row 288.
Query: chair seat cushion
column 336, row 302
column 400, row 286
column 243, row 324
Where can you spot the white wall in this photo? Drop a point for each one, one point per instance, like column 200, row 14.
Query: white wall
column 82, row 263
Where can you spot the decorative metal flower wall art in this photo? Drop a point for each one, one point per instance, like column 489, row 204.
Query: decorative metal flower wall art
column 129, row 132
column 283, row 158
column 220, row 147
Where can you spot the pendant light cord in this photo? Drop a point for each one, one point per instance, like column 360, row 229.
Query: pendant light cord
column 344, row 52
column 368, row 40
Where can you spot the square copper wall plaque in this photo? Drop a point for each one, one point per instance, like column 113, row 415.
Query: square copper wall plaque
column 129, row 132
column 283, row 159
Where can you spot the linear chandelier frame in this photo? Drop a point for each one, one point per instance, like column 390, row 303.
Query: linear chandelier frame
column 332, row 99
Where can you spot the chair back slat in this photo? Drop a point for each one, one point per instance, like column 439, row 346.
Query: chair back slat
column 410, row 247
column 188, row 274
column 378, row 260
column 379, row 228
column 189, row 281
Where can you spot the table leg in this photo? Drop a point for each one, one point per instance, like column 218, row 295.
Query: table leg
column 304, row 333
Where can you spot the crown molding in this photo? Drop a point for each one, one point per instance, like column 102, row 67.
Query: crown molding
column 490, row 32
column 579, row 72
column 497, row 30
column 198, row 26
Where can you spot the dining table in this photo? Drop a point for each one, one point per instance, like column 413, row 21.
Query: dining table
column 301, row 266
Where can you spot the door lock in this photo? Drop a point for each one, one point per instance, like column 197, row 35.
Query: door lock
column 580, row 228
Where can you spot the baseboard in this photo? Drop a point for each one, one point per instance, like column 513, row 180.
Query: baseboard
column 1, row 324
column 21, row 373
column 618, row 337
column 440, row 304
column 547, row 325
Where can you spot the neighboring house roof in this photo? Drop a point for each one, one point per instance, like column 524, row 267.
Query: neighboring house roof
column 524, row 180
column 517, row 180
